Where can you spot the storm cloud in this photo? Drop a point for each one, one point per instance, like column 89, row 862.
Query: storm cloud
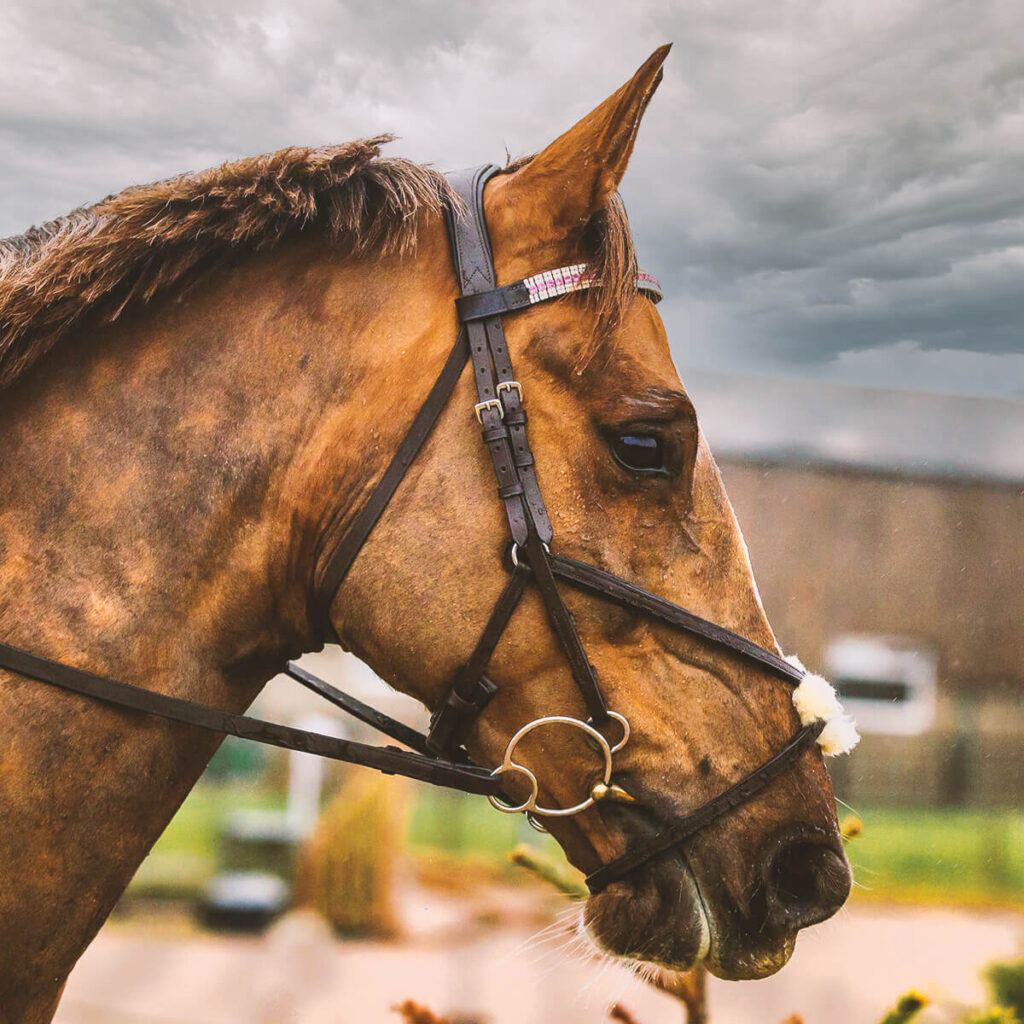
column 825, row 189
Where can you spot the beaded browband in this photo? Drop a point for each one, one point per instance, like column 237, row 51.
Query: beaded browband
column 550, row 284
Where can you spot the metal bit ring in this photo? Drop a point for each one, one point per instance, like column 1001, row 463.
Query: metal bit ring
column 508, row 765
column 621, row 719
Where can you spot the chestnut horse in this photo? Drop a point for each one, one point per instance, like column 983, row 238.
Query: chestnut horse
column 203, row 379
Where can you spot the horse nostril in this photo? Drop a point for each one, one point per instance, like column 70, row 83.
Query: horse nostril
column 806, row 882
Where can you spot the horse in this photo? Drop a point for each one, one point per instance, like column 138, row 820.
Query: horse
column 204, row 379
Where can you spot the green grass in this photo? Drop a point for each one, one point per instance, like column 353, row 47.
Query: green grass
column 944, row 856
column 933, row 856
column 458, row 823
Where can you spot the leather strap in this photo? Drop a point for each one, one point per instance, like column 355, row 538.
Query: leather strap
column 337, row 566
column 682, row 829
column 384, row 724
column 564, row 626
column 504, row 423
column 389, row 760
column 629, row 595
column 471, row 690
column 500, row 403
column 471, row 253
column 506, row 299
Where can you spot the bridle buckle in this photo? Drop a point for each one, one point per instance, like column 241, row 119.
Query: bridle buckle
column 510, row 385
column 491, row 403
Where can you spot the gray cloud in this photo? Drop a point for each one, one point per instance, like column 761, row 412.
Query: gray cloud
column 825, row 189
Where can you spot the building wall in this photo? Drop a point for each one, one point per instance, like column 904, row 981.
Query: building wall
column 938, row 561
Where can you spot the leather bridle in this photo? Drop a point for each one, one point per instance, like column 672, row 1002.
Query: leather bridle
column 439, row 757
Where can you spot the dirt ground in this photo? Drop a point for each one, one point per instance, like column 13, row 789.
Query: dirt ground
column 153, row 971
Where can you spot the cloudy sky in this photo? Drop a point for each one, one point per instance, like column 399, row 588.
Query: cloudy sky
column 827, row 189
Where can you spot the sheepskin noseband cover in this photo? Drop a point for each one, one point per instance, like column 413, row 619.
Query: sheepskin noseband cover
column 815, row 700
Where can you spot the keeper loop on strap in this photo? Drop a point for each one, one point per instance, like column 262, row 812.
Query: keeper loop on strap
column 496, row 433
column 456, row 714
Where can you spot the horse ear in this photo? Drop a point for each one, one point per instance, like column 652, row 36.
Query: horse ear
column 563, row 186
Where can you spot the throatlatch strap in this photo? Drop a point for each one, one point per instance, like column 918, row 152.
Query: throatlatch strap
column 352, row 543
column 389, row 760
column 682, row 829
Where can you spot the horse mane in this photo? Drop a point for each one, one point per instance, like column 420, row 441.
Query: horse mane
column 95, row 262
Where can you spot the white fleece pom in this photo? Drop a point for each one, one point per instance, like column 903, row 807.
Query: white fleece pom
column 839, row 736
column 815, row 700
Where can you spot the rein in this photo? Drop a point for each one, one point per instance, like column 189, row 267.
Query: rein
column 439, row 757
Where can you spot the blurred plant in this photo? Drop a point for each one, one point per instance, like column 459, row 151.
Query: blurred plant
column 561, row 876
column 850, row 828
column 1006, row 981
column 993, row 1015
column 908, row 1007
column 619, row 1013
column 345, row 870
column 413, row 1013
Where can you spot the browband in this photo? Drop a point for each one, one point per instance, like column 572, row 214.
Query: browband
column 551, row 284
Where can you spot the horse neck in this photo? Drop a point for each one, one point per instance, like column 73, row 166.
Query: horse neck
column 165, row 491
column 173, row 479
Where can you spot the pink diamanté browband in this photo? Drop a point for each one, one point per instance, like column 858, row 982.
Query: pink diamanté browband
column 528, row 291
column 578, row 278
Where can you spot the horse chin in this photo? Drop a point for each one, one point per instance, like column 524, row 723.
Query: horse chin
column 661, row 919
column 658, row 918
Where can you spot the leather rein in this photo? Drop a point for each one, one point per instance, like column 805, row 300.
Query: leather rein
column 439, row 757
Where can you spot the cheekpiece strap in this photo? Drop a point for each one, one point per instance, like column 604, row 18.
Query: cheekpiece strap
column 499, row 407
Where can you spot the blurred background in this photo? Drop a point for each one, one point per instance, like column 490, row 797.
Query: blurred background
column 832, row 196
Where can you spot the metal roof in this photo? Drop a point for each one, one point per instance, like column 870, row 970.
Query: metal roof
column 909, row 433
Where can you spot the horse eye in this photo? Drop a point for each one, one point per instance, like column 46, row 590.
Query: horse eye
column 641, row 453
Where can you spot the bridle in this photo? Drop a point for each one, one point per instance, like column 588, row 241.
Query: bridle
column 439, row 757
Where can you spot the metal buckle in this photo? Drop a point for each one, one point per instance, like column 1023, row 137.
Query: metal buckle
column 530, row 804
column 510, row 385
column 513, row 554
column 491, row 403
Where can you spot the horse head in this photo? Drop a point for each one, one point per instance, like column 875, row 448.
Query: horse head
column 630, row 486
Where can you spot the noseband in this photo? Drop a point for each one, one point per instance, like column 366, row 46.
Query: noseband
column 439, row 757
